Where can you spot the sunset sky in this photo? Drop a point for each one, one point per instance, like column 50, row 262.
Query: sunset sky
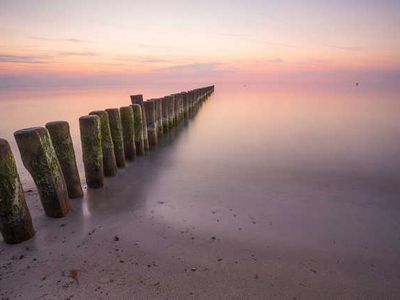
column 201, row 40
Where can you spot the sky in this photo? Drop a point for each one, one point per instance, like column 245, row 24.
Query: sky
column 54, row 41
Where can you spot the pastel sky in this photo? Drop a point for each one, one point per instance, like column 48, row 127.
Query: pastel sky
column 196, row 39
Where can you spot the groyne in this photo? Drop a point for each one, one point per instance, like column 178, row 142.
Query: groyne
column 109, row 138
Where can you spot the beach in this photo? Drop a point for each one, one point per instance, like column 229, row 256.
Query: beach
column 267, row 193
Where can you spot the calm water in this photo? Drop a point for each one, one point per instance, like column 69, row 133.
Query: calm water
column 310, row 174
column 254, row 142
column 327, row 134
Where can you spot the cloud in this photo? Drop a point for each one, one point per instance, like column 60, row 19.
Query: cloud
column 191, row 68
column 83, row 53
column 157, row 47
column 347, row 48
column 276, row 60
column 199, row 70
column 71, row 40
column 25, row 59
column 235, row 34
column 142, row 59
column 281, row 44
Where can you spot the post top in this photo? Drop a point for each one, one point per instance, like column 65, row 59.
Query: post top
column 56, row 123
column 29, row 131
column 89, row 117
column 100, row 113
column 113, row 109
column 137, row 99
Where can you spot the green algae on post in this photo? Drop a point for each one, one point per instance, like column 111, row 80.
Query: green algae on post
column 92, row 150
column 15, row 219
column 116, row 134
column 150, row 108
column 158, row 103
column 109, row 161
column 62, row 142
column 139, row 140
column 165, row 114
column 40, row 159
column 138, row 99
column 171, row 110
column 128, row 129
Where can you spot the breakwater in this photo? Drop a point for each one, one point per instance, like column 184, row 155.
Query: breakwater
column 109, row 139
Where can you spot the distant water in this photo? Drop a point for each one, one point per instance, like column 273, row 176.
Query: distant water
column 287, row 133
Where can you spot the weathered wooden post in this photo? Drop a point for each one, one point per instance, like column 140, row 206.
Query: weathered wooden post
column 181, row 108
column 109, row 162
column 165, row 114
column 139, row 139
column 190, row 103
column 62, row 142
column 138, row 99
column 171, row 111
column 176, row 108
column 185, row 104
column 117, row 136
column 15, row 219
column 128, row 129
column 150, row 108
column 92, row 151
column 159, row 115
column 179, row 97
column 39, row 158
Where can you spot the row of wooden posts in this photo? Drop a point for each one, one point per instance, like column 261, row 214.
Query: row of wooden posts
column 109, row 138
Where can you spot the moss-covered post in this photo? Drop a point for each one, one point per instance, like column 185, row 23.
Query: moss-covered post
column 175, row 106
column 109, row 161
column 190, row 103
column 62, row 142
column 181, row 105
column 150, row 108
column 178, row 107
column 92, row 151
column 128, row 129
column 116, row 135
column 138, row 99
column 139, row 140
column 185, row 104
column 40, row 159
column 171, row 110
column 15, row 219
column 159, row 115
column 165, row 113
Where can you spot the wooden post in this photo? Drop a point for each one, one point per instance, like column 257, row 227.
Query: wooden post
column 117, row 136
column 165, row 113
column 159, row 115
column 109, row 161
column 62, row 142
column 138, row 99
column 150, row 108
column 91, row 150
column 128, row 129
column 15, row 219
column 39, row 158
column 139, row 139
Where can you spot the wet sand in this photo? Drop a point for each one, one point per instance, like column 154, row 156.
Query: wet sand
column 220, row 211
